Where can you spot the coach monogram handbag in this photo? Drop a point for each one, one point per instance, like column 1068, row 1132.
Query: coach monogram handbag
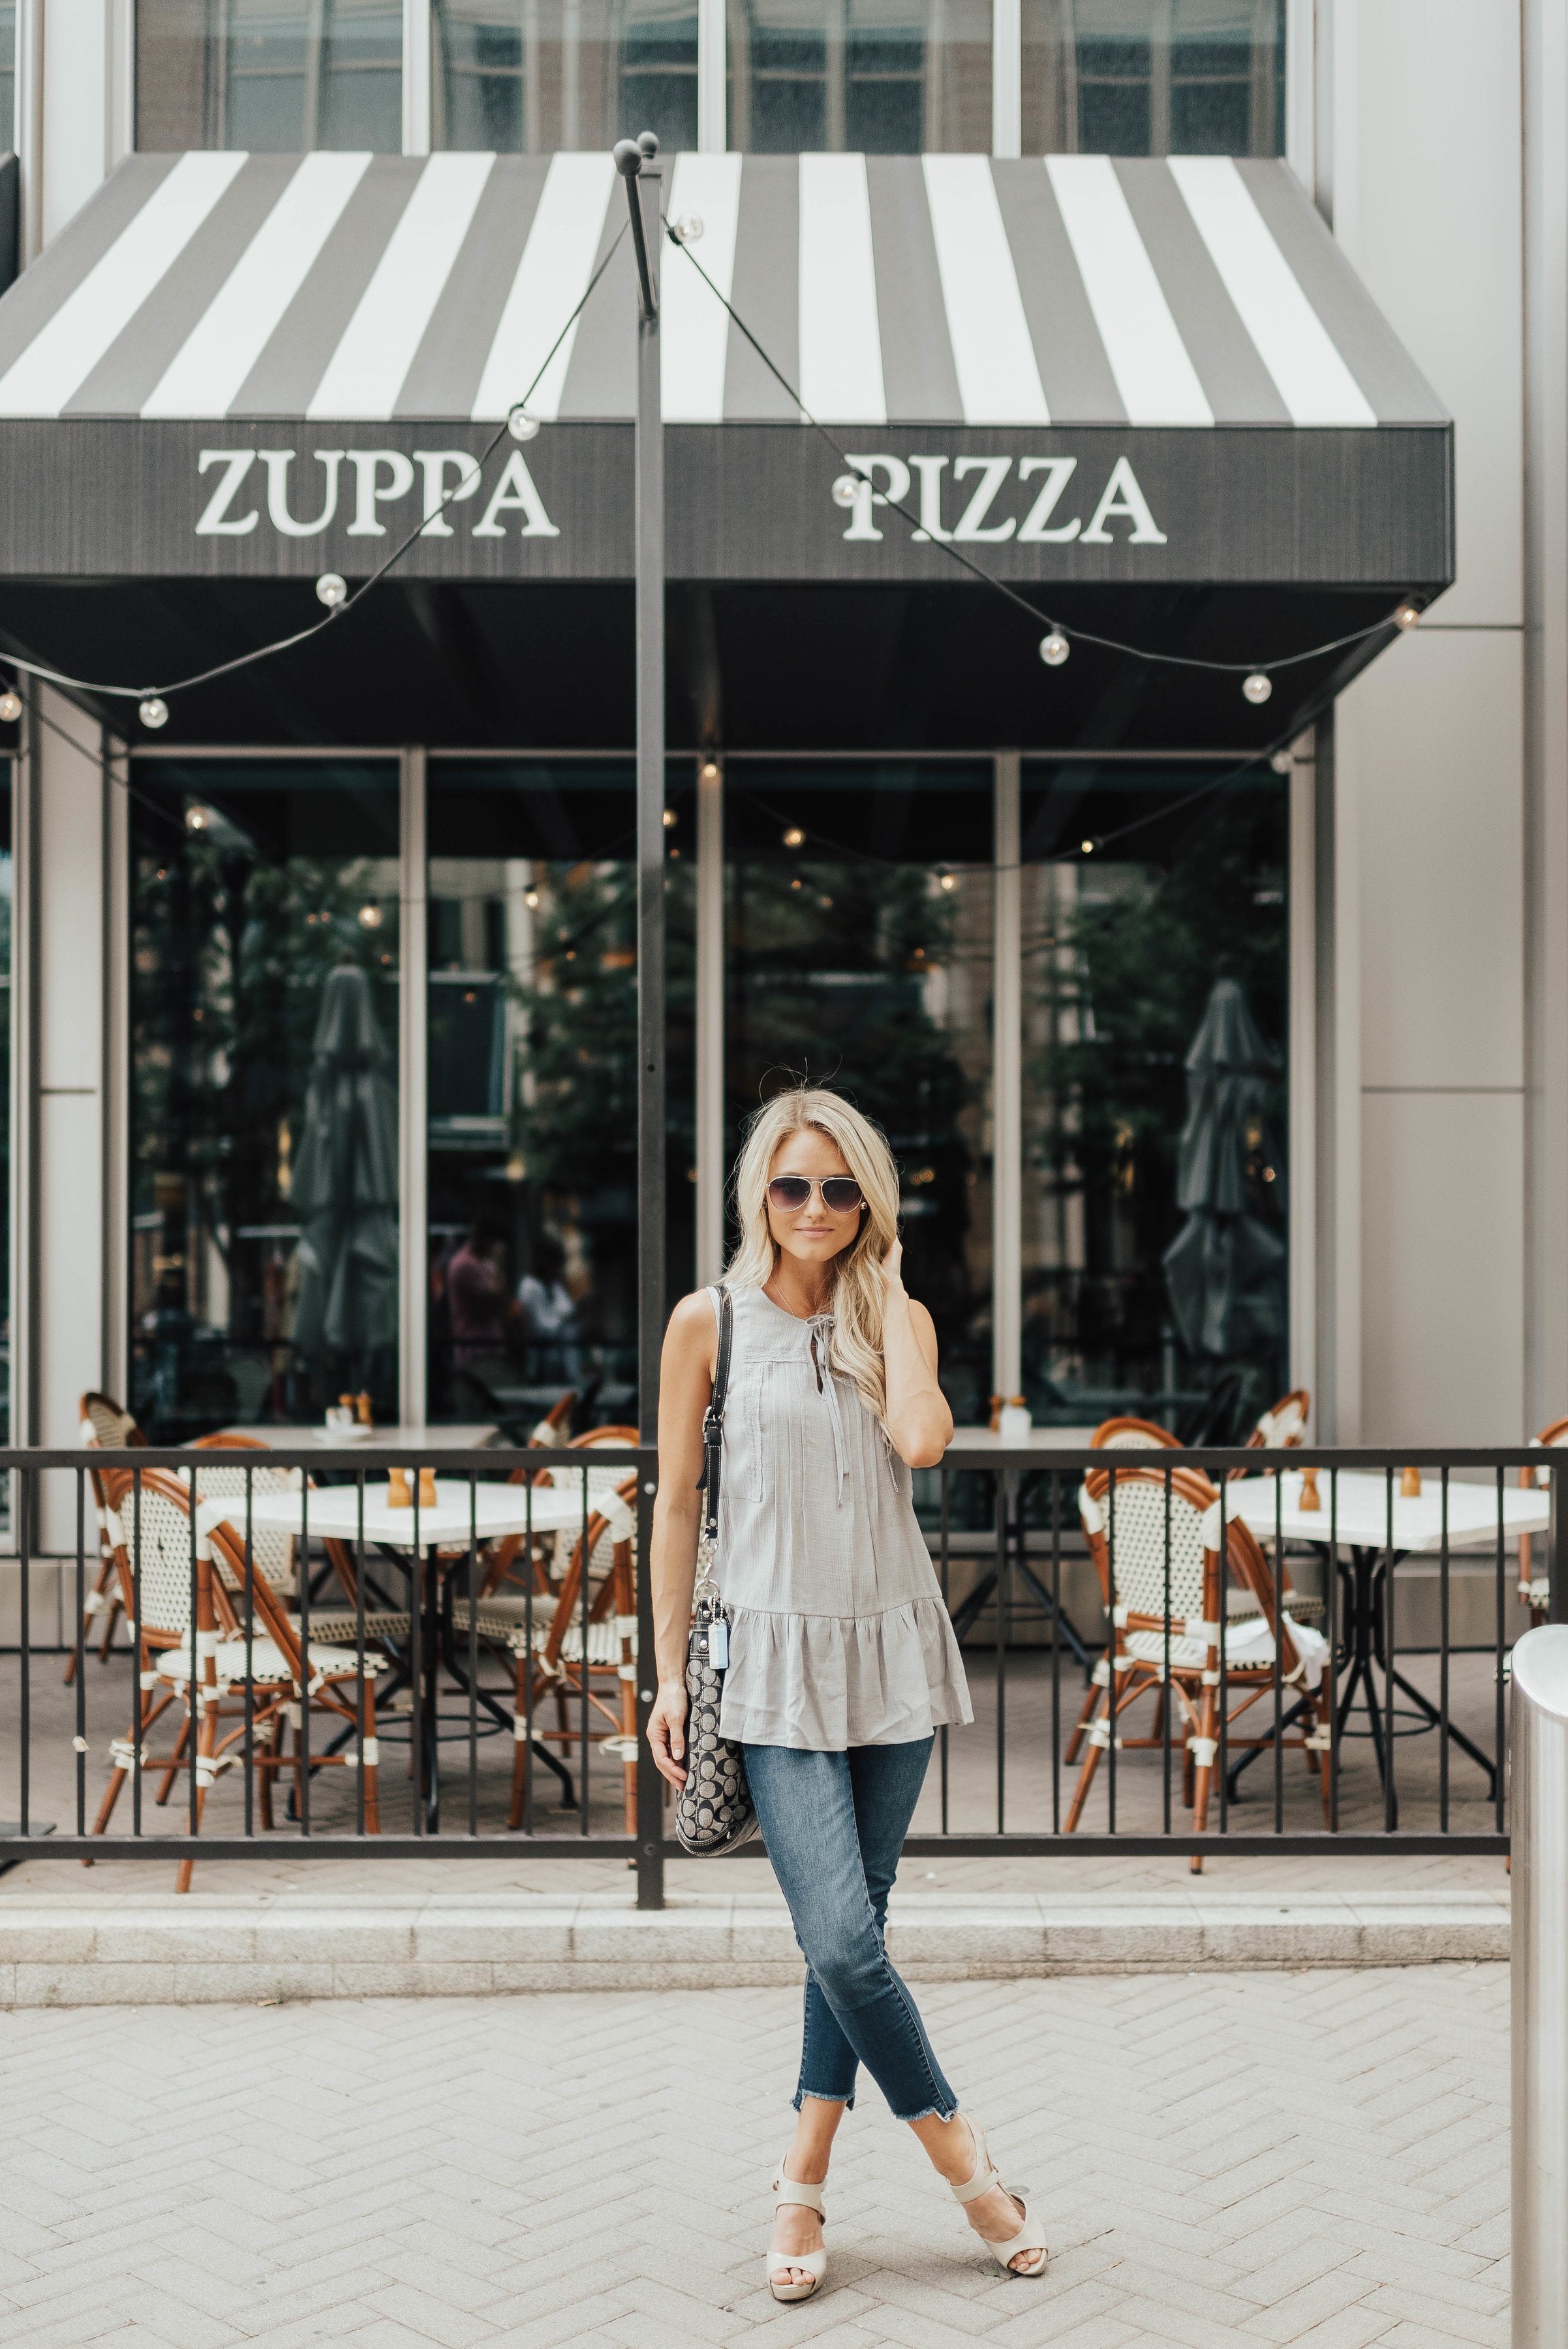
column 713, row 1810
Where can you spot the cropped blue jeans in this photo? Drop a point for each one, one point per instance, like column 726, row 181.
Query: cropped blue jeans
column 833, row 1825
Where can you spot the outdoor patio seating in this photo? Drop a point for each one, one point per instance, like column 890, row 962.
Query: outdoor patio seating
column 272, row 1549
column 1155, row 1541
column 1126, row 1434
column 504, row 1613
column 104, row 1425
column 194, row 1653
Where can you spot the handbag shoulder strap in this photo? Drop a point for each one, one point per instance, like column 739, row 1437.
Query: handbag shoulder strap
column 714, row 1419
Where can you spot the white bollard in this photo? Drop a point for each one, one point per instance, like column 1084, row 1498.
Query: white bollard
column 1538, row 1752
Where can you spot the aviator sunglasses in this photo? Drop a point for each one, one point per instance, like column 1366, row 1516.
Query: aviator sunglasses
column 840, row 1193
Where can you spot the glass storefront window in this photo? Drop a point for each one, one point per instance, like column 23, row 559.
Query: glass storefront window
column 524, row 76
column 7, row 74
column 533, row 1086
column 1155, row 1004
column 263, row 1116
column 277, row 76
column 1154, row 77
column 859, row 955
column 872, row 76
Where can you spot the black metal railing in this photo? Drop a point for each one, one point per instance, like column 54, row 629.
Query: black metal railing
column 1167, row 1652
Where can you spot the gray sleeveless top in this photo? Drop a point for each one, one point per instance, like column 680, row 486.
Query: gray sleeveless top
column 839, row 1634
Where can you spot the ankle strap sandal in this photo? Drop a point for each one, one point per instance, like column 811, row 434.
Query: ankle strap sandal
column 788, row 2190
column 1031, row 2235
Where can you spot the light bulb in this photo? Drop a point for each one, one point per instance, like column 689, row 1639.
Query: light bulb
column 1257, row 688
column 530, row 898
column 845, row 490
column 1087, row 846
column 1407, row 617
column 369, row 917
column 1055, row 649
column 947, row 880
column 153, row 711
column 197, row 817
column 710, row 771
column 1281, row 762
column 794, row 837
column 10, row 704
column 690, row 228
column 521, row 425
column 670, row 819
column 332, row 589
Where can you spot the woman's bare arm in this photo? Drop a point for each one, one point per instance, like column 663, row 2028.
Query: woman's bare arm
column 685, row 1390
column 918, row 1420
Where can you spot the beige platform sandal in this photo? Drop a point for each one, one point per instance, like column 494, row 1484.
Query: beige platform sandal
column 1031, row 2236
column 790, row 2189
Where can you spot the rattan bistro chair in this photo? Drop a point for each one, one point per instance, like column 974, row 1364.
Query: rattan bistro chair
column 105, row 1426
column 1126, row 1433
column 605, row 1550
column 196, row 1658
column 274, row 1557
column 1172, row 1610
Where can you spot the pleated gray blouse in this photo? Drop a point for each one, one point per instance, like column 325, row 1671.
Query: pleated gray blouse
column 838, row 1636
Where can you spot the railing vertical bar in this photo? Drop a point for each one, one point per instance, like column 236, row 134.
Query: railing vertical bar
column 24, row 1629
column 303, row 1732
column 1003, row 1587
column 1443, row 1659
column 526, row 1674
column 1055, row 1653
column 195, row 1664
column 1499, row 1774
column 248, row 1598
column 1111, row 1687
column 583, row 1739
column 1165, row 1687
column 1279, row 1630
column 137, row 1649
column 945, row 1483
column 1221, row 1627
column 359, row 1677
column 417, row 1757
column 1332, row 1595
column 79, row 1675
column 1390, row 1810
column 472, row 1653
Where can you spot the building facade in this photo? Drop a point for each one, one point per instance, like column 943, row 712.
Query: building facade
column 396, row 865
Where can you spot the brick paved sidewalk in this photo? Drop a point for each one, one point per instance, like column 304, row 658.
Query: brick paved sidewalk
column 1317, row 2159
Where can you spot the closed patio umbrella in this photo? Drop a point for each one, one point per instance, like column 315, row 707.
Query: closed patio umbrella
column 1224, row 1272
column 345, row 1186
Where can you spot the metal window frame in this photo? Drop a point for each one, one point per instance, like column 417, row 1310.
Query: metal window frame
column 413, row 1091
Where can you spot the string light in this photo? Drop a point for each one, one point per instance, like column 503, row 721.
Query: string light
column 332, row 589
column 845, row 490
column 530, row 898
column 1257, row 688
column 1407, row 616
column 794, row 837
column 10, row 705
column 1281, row 762
column 1055, row 649
column 369, row 917
column 521, row 425
column 670, row 819
column 197, row 817
column 947, row 881
column 1087, row 846
column 153, row 712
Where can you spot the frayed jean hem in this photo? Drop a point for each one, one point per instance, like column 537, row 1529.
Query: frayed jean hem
column 932, row 2113
column 821, row 2096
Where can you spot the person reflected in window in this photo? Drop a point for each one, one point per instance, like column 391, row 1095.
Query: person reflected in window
column 549, row 1315
column 476, row 1295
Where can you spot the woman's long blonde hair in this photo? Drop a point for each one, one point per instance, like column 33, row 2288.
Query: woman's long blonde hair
column 856, row 1275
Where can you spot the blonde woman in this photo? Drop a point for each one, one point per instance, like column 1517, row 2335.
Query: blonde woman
column 843, row 1663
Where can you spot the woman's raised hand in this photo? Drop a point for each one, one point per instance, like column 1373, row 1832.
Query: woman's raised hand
column 667, row 1731
column 893, row 1265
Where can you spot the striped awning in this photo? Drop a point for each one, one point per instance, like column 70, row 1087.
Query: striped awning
column 945, row 289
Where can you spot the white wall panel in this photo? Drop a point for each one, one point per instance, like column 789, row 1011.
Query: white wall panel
column 1426, row 201
column 1439, row 724
column 1443, row 1268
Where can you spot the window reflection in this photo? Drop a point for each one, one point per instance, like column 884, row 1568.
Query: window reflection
column 264, row 1018
column 873, row 77
column 532, row 1087
column 1154, row 77
column 524, row 76
column 859, row 955
column 276, row 77
column 1154, row 1275
column 7, row 74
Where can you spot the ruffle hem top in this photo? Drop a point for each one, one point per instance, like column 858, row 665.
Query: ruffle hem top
column 838, row 1636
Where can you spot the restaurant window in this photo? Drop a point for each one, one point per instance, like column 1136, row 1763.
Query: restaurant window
column 872, row 76
column 525, row 77
column 277, row 76
column 1154, row 77
column 8, row 74
column 6, row 932
column 859, row 955
column 532, row 1168
column 1155, row 1236
column 264, row 1114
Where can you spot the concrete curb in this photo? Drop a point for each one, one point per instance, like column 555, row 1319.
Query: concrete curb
column 156, row 1952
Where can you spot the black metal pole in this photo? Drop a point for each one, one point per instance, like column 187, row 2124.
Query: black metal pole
column 636, row 159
